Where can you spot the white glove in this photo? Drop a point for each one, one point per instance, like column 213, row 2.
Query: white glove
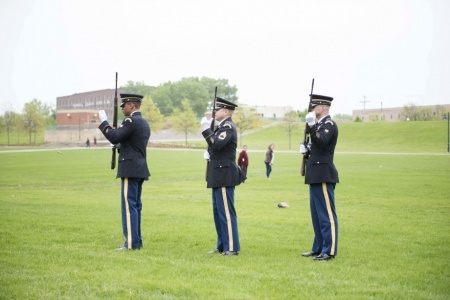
column 206, row 155
column 303, row 149
column 102, row 116
column 205, row 124
column 310, row 118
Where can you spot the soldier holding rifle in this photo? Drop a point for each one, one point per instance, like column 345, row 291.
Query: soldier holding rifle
column 132, row 136
column 223, row 175
column 322, row 176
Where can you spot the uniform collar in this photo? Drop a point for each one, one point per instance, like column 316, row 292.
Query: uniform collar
column 226, row 119
column 323, row 118
column 136, row 112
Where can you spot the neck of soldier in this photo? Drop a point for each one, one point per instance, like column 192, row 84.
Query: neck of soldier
column 132, row 112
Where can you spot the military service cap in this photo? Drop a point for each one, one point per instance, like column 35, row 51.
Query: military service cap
column 320, row 100
column 130, row 98
column 222, row 103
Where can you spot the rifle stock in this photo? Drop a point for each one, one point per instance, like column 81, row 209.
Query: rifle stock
column 113, row 157
column 306, row 134
column 213, row 113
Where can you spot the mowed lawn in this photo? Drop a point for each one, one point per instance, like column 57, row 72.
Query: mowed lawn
column 60, row 222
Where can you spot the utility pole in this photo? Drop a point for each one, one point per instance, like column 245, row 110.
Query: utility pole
column 448, row 132
column 364, row 107
column 381, row 111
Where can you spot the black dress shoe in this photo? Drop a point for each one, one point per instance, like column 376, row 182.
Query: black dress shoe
column 230, row 253
column 323, row 256
column 310, row 253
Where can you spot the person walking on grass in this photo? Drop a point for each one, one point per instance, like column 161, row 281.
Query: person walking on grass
column 243, row 161
column 270, row 156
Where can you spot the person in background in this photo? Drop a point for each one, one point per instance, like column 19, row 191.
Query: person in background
column 243, row 161
column 269, row 159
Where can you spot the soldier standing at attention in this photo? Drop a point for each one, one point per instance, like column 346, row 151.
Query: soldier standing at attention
column 222, row 176
column 322, row 176
column 133, row 135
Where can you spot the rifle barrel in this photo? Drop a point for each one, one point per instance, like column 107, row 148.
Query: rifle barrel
column 306, row 133
column 213, row 114
column 113, row 156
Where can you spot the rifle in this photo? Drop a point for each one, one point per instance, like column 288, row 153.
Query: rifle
column 213, row 114
column 113, row 158
column 306, row 133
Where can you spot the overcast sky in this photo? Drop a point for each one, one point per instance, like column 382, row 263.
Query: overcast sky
column 391, row 51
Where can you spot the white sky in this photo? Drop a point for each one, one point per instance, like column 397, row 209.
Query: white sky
column 394, row 51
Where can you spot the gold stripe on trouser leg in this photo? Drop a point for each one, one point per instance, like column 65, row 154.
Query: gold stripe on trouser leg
column 227, row 214
column 330, row 216
column 127, row 212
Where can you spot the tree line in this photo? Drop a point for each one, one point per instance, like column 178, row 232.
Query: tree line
column 179, row 105
column 175, row 105
column 35, row 116
column 168, row 97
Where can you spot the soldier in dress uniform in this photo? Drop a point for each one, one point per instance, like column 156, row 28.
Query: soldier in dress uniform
column 131, row 139
column 322, row 176
column 222, row 176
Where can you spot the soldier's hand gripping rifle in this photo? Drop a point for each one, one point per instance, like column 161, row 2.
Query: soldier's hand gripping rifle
column 213, row 113
column 306, row 134
column 114, row 125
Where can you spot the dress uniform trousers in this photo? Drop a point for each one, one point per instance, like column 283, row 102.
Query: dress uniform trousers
column 324, row 218
column 225, row 219
column 131, row 212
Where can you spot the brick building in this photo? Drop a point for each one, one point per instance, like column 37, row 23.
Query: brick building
column 396, row 114
column 80, row 110
column 77, row 116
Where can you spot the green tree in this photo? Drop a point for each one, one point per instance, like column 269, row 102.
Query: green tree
column 225, row 90
column 151, row 113
column 192, row 89
column 34, row 117
column 162, row 97
column 138, row 87
column 245, row 119
column 200, row 92
column 51, row 118
column 10, row 119
column 291, row 121
column 184, row 120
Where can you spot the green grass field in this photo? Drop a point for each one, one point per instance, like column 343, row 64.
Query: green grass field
column 60, row 223
column 430, row 136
